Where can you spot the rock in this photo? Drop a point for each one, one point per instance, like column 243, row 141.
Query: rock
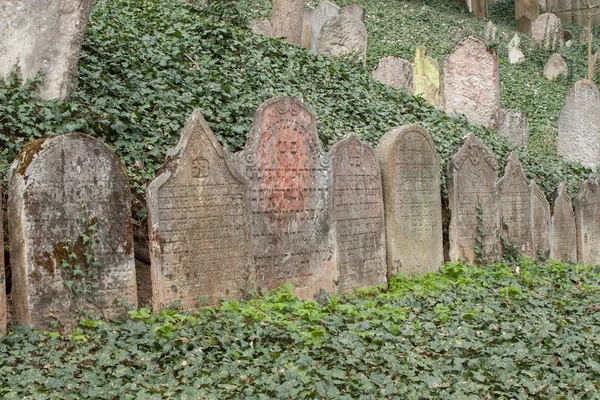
column 547, row 31
column 343, row 36
column 556, row 66
column 427, row 78
column 514, row 126
column 395, row 72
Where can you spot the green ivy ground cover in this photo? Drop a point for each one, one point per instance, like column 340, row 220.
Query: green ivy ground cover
column 465, row 333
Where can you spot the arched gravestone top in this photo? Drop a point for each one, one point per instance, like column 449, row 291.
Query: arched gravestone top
column 587, row 218
column 395, row 72
column 472, row 82
column 69, row 204
column 515, row 207
column 410, row 169
column 564, row 231
column 3, row 309
column 199, row 222
column 427, row 78
column 472, row 175
column 358, row 212
column 547, row 31
column 540, row 222
column 291, row 202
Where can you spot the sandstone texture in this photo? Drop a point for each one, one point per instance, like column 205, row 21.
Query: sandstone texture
column 564, row 231
column 395, row 72
column 514, row 126
column 343, row 36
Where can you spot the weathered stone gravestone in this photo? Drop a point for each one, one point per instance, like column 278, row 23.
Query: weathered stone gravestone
column 526, row 11
column 199, row 223
column 71, row 235
column 547, row 31
column 343, row 36
column 562, row 9
column 320, row 15
column 395, row 72
column 306, row 42
column 474, row 206
column 479, row 8
column 43, row 37
column 514, row 126
column 579, row 125
column 3, row 309
column 286, row 20
column 515, row 208
column 356, row 12
column 515, row 55
column 564, row 231
column 540, row 222
column 587, row 219
column 411, row 188
column 556, row 66
column 358, row 210
column 291, row 200
column 490, row 32
column 427, row 78
column 472, row 83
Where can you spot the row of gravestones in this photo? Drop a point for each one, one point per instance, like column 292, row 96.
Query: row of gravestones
column 282, row 210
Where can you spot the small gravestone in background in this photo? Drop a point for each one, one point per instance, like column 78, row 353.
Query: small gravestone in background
column 199, row 223
column 3, row 307
column 71, row 235
column 515, row 208
column 320, row 15
column 473, row 203
column 427, row 78
column 490, row 32
column 564, row 231
column 515, row 55
column 540, row 222
column 472, row 83
column 547, row 31
column 343, row 36
column 579, row 125
column 514, row 126
column 291, row 201
column 358, row 211
column 556, row 66
column 587, row 218
column 526, row 11
column 411, row 188
column 395, row 72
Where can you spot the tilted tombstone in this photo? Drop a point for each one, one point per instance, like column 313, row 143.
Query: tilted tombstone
column 540, row 222
column 547, row 31
column 579, row 125
column 321, row 14
column 395, row 72
column 343, row 36
column 564, row 231
column 358, row 211
column 526, row 11
column 3, row 309
column 199, row 223
column 587, row 219
column 291, row 200
column 514, row 126
column 515, row 207
column 43, row 37
column 427, row 78
column 472, row 83
column 71, row 235
column 410, row 169
column 473, row 200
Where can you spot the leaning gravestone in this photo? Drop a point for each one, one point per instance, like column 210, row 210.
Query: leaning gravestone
column 358, row 210
column 290, row 194
column 587, row 219
column 540, row 222
column 472, row 83
column 320, row 15
column 427, row 78
column 515, row 207
column 514, row 126
column 515, row 55
column 71, row 235
column 43, row 37
column 199, row 222
column 411, row 188
column 547, row 31
column 526, row 11
column 473, row 199
column 343, row 36
column 579, row 125
column 564, row 231
column 395, row 72
column 3, row 309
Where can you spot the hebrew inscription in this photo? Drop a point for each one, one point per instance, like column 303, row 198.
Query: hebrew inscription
column 540, row 222
column 564, row 242
column 587, row 218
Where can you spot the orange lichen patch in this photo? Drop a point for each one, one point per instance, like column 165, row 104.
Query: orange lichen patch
column 28, row 154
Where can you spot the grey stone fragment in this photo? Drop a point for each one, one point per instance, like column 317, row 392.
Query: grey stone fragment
column 395, row 72
column 587, row 218
column 321, row 14
column 490, row 32
column 343, row 36
column 514, row 126
column 547, row 31
column 540, row 222
column 515, row 55
column 556, row 66
column 564, row 231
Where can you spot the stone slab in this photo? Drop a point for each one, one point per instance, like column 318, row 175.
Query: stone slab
column 514, row 126
column 515, row 55
column 358, row 211
column 321, row 14
column 540, row 223
column 199, row 223
column 564, row 231
column 290, row 179
column 306, row 41
column 472, row 193
column 480, row 9
column 3, row 305
column 526, row 11
column 411, row 188
column 547, row 31
column 343, row 36
column 556, row 66
column 395, row 72
column 587, row 219
column 427, row 78
column 71, row 235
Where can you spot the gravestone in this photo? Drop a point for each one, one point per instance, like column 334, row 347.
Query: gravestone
column 515, row 207
column 395, row 72
column 479, row 8
column 306, row 41
column 472, row 83
column 427, row 78
column 514, row 126
column 71, row 235
column 291, row 200
column 43, row 37
column 473, row 202
column 547, row 31
column 358, row 211
column 286, row 20
column 526, row 11
column 199, row 223
column 556, row 66
column 321, row 14
column 410, row 169
column 562, row 9
column 564, row 231
column 343, row 36
column 587, row 219
column 579, row 125
column 515, row 55
column 356, row 12
column 490, row 32
column 3, row 308
column 540, row 222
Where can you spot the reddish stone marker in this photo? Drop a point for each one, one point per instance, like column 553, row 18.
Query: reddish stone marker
column 564, row 230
